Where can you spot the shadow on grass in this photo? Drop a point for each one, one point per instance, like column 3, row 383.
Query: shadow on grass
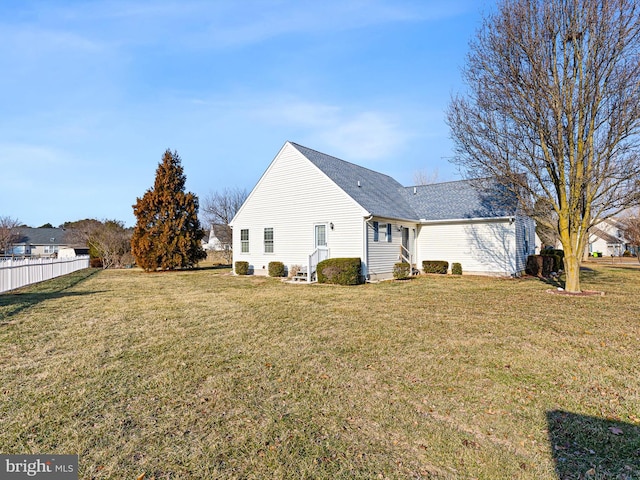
column 586, row 447
column 586, row 274
column 16, row 301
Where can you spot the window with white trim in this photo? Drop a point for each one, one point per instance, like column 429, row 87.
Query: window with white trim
column 268, row 240
column 389, row 232
column 244, row 240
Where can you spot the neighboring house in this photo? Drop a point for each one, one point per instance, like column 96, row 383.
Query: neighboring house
column 218, row 239
column 70, row 252
column 309, row 206
column 607, row 237
column 38, row 242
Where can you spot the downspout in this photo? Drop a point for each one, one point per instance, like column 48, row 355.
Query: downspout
column 365, row 244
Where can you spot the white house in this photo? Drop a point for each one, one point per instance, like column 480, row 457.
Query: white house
column 308, row 206
column 217, row 240
column 607, row 237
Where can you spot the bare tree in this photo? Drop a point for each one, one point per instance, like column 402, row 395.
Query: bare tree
column 552, row 111
column 9, row 233
column 424, row 177
column 632, row 231
column 220, row 207
column 546, row 224
column 107, row 240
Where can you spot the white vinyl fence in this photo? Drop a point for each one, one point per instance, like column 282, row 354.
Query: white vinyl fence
column 18, row 273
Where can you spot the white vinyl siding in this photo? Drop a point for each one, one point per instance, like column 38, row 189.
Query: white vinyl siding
column 481, row 247
column 385, row 253
column 525, row 240
column 292, row 197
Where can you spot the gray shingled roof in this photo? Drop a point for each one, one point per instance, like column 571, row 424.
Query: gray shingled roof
column 383, row 196
column 461, row 199
column 607, row 237
column 379, row 194
column 40, row 236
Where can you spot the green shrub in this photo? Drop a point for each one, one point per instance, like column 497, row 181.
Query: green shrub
column 435, row 266
column 242, row 268
column 456, row 268
column 95, row 262
column 340, row 271
column 540, row 265
column 552, row 251
column 558, row 258
column 627, row 253
column 401, row 271
column 276, row 269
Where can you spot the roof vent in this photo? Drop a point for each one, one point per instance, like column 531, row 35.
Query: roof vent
column 359, row 183
column 415, row 190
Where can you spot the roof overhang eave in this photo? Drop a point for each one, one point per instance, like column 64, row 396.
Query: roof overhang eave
column 508, row 218
column 391, row 217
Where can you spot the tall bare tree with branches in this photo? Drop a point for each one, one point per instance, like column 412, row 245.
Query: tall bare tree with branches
column 553, row 111
column 220, row 207
column 9, row 232
column 631, row 228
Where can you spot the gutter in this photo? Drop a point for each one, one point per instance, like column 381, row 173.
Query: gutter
column 510, row 219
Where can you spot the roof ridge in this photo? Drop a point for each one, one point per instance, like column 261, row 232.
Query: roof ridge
column 462, row 180
column 344, row 161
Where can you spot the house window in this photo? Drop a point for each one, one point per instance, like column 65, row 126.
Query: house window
column 268, row 240
column 389, row 232
column 376, row 231
column 50, row 248
column 244, row 240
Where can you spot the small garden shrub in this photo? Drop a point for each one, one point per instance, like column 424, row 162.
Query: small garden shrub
column 340, row 271
column 401, row 271
column 435, row 266
column 627, row 253
column 558, row 258
column 540, row 265
column 276, row 269
column 242, row 268
column 456, row 268
column 552, row 251
column 95, row 262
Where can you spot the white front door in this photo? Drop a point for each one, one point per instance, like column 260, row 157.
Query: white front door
column 321, row 236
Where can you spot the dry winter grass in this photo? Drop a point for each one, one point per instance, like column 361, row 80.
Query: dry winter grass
column 199, row 374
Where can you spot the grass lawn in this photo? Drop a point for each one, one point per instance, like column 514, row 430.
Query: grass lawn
column 200, row 374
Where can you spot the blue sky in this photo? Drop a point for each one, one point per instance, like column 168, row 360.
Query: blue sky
column 93, row 93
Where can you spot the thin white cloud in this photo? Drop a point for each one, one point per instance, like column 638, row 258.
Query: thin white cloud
column 220, row 24
column 360, row 135
column 368, row 136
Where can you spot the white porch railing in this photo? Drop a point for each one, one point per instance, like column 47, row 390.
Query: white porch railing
column 18, row 273
column 320, row 254
column 405, row 255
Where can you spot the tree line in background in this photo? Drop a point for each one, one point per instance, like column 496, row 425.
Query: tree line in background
column 108, row 241
column 167, row 235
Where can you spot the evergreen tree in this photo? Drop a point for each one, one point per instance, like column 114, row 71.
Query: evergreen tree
column 167, row 234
